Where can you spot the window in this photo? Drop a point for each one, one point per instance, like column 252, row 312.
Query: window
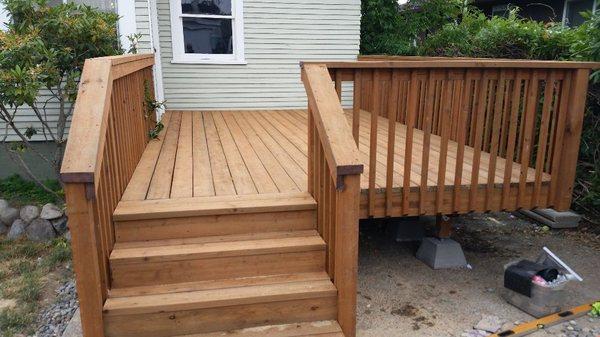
column 207, row 31
column 572, row 11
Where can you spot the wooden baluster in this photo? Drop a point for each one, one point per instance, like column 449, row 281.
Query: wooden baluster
column 338, row 83
column 461, row 137
column 529, row 122
column 495, row 134
column 543, row 138
column 430, row 88
column 373, row 139
column 444, row 130
column 560, row 129
column 356, row 104
column 310, row 171
column 484, row 83
column 391, row 141
column 411, row 112
column 515, row 107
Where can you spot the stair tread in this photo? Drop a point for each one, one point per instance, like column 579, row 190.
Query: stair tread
column 303, row 329
column 222, row 294
column 202, row 206
column 174, row 250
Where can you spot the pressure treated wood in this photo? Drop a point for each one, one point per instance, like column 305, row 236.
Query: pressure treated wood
column 109, row 133
column 275, row 139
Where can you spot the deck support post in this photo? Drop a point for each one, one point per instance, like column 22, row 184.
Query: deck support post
column 443, row 226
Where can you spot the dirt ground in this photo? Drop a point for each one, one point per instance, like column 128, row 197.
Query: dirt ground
column 401, row 296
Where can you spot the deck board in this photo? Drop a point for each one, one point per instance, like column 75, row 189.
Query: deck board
column 221, row 153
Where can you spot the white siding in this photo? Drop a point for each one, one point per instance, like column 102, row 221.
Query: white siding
column 278, row 35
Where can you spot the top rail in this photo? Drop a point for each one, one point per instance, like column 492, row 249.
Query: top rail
column 83, row 154
column 343, row 159
column 458, row 63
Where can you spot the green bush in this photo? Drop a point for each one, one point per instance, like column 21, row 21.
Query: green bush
column 44, row 48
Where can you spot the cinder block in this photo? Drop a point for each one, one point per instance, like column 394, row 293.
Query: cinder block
column 441, row 253
column 552, row 218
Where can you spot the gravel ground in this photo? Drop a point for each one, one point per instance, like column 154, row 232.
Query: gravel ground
column 54, row 319
column 400, row 296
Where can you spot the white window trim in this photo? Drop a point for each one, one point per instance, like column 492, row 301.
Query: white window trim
column 179, row 54
column 565, row 4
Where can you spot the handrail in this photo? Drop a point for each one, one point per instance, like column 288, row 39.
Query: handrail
column 458, row 63
column 108, row 134
column 343, row 159
column 82, row 159
column 334, row 172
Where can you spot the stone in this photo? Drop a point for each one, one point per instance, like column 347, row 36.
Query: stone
column 28, row 213
column 17, row 230
column 40, row 230
column 8, row 215
column 68, row 236
column 7, row 304
column 3, row 229
column 60, row 225
column 441, row 253
column 51, row 211
column 490, row 324
column 3, row 205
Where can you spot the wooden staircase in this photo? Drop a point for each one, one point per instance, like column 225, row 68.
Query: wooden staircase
column 224, row 264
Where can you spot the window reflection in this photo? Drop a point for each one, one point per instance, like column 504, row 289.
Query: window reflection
column 207, row 36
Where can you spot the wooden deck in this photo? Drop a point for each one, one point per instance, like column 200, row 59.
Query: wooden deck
column 220, row 153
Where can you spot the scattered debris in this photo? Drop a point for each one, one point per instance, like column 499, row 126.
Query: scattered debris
column 490, row 324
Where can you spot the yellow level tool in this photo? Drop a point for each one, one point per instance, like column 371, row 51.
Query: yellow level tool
column 544, row 322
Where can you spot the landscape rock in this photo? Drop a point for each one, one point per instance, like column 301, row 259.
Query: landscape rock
column 7, row 304
column 8, row 215
column 489, row 323
column 68, row 236
column 51, row 211
column 3, row 204
column 17, row 230
column 28, row 213
column 60, row 225
column 40, row 230
column 3, row 229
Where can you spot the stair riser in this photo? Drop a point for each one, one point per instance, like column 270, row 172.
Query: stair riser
column 198, row 226
column 222, row 318
column 155, row 273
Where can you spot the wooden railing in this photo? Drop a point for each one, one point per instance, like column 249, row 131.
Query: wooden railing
column 527, row 112
column 334, row 171
column 108, row 134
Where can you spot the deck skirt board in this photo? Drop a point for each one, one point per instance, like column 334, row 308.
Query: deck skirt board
column 237, row 154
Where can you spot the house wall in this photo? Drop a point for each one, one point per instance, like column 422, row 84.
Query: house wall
column 278, row 34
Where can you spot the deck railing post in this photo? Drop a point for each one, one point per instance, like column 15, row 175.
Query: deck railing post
column 571, row 139
column 346, row 252
column 86, row 259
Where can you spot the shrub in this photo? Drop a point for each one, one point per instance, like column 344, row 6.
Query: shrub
column 45, row 47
